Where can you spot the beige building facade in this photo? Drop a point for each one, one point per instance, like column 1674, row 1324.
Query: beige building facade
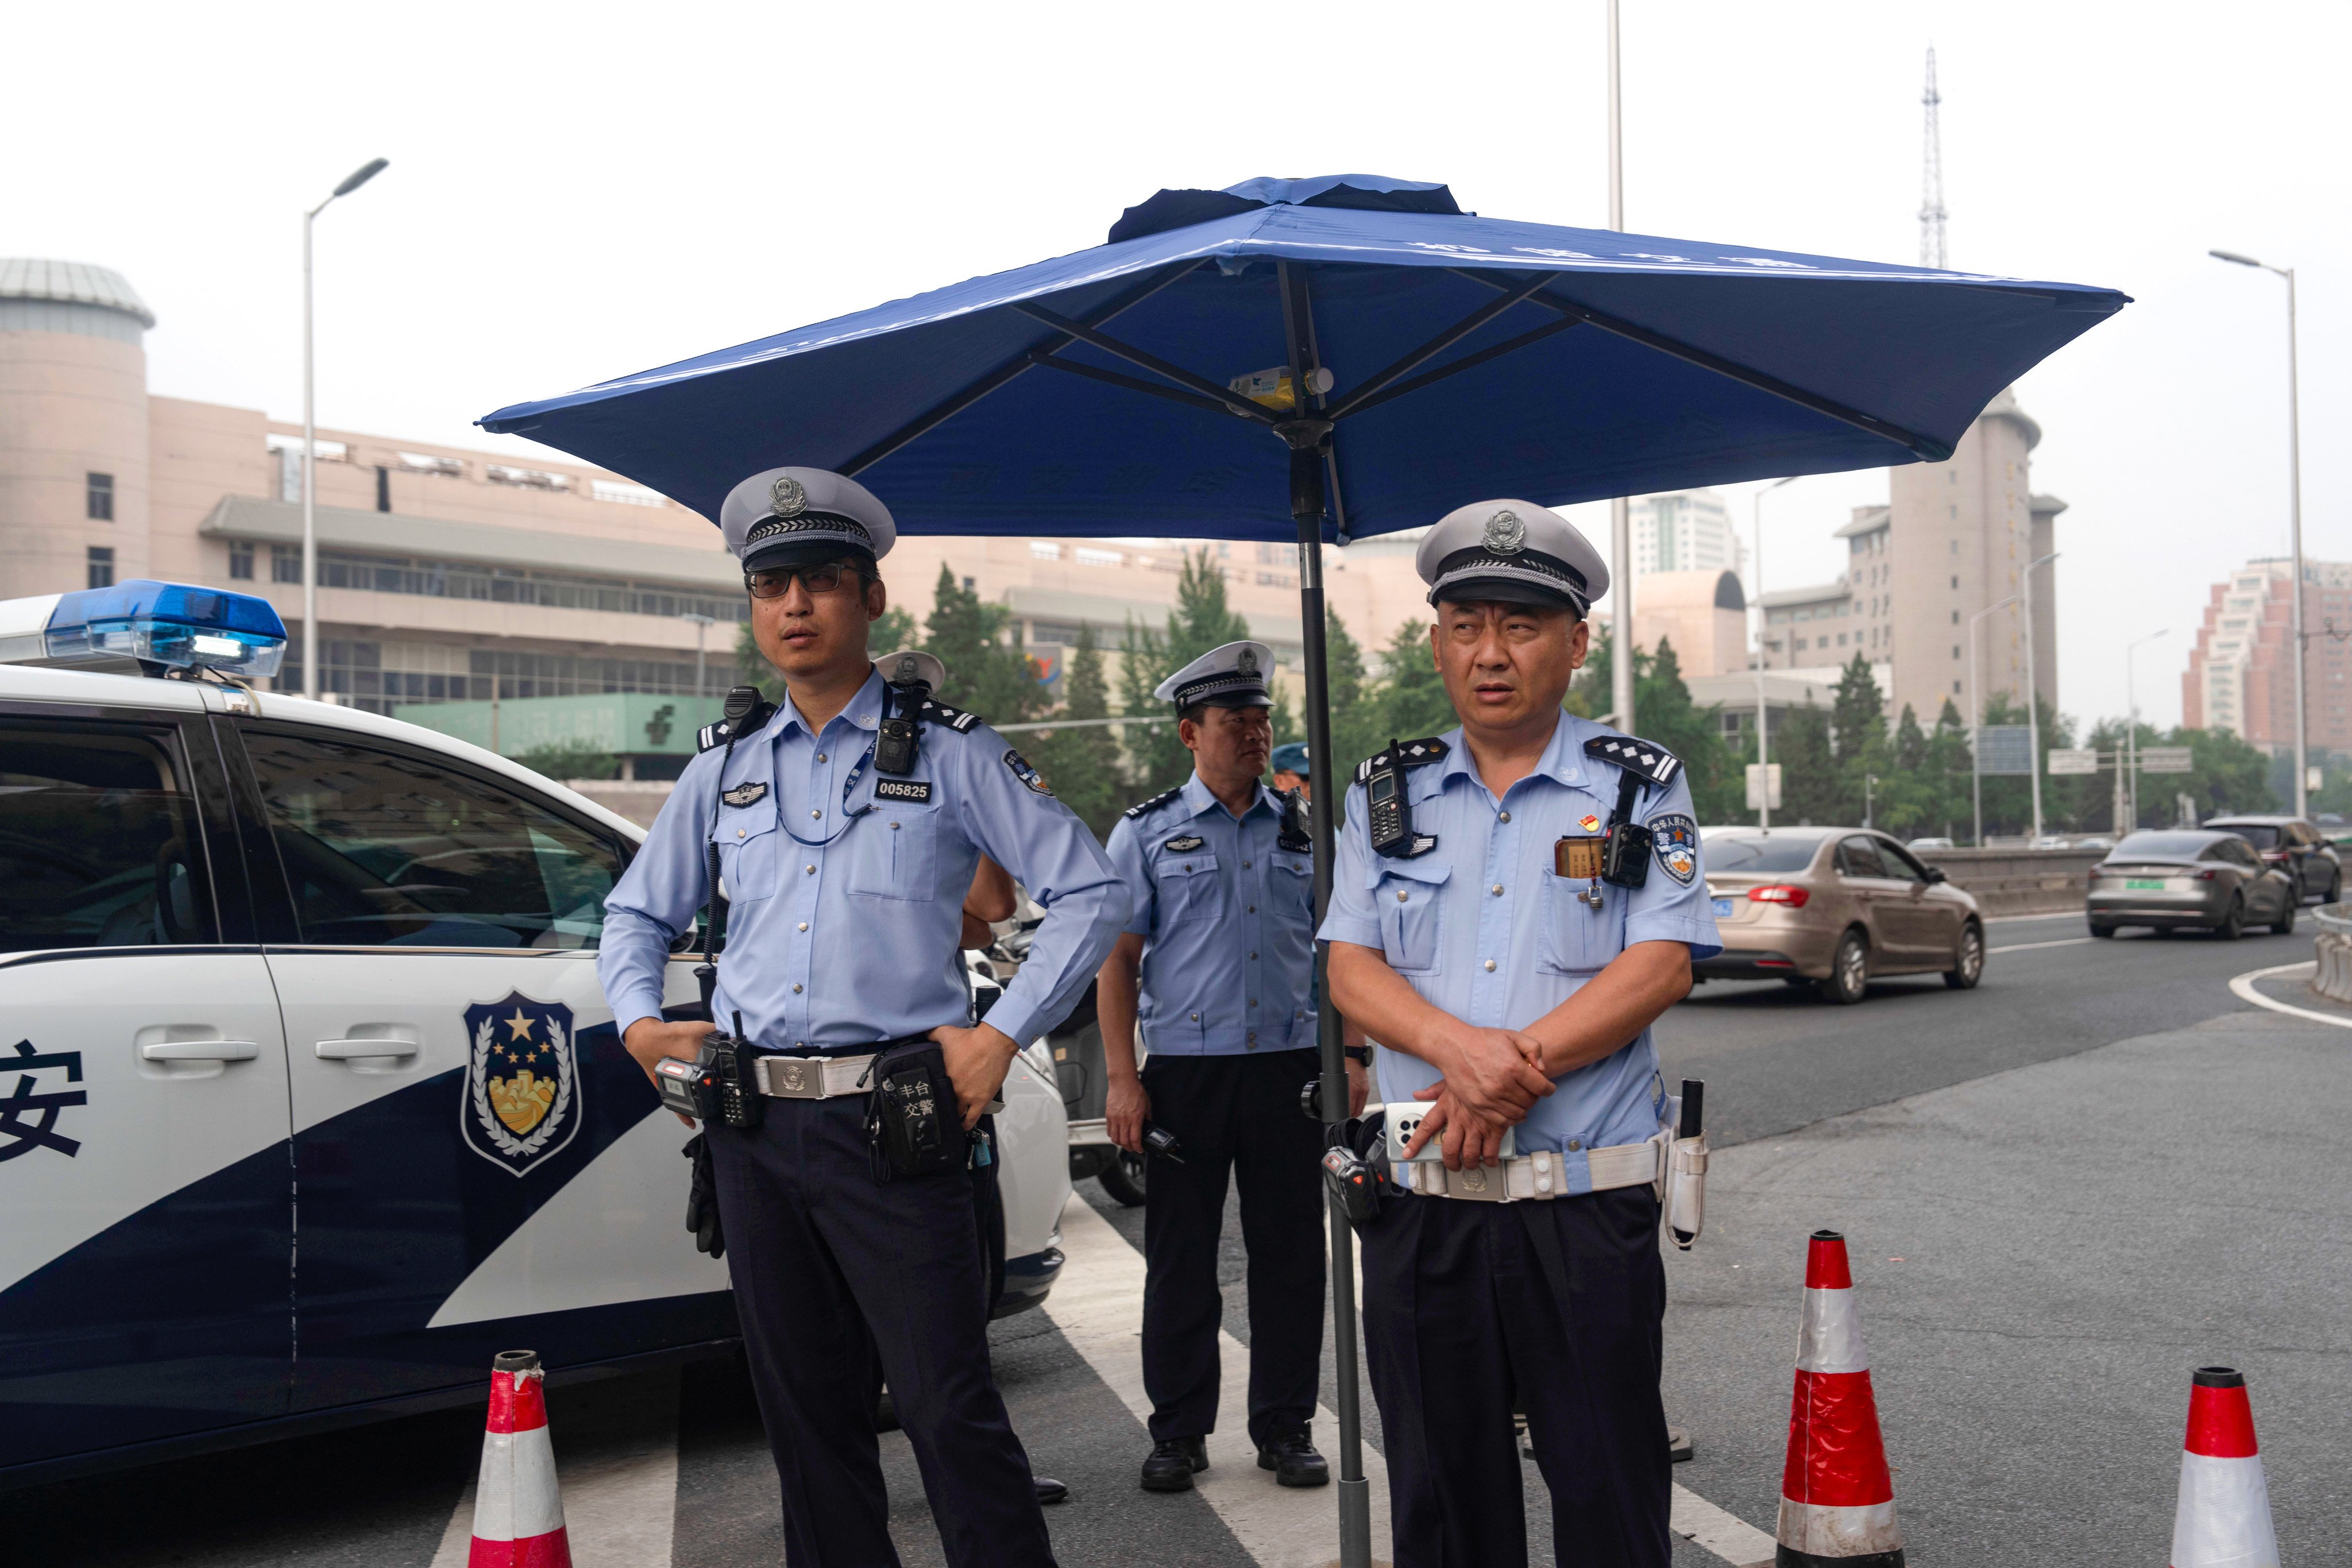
column 2240, row 675
column 451, row 575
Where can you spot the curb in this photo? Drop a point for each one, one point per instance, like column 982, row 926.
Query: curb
column 2242, row 986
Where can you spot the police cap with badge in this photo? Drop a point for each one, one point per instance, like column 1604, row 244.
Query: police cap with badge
column 804, row 517
column 1514, row 552
column 1232, row 676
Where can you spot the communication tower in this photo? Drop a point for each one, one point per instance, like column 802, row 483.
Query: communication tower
column 1931, row 182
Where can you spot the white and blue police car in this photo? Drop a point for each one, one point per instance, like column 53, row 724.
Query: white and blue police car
column 310, row 1102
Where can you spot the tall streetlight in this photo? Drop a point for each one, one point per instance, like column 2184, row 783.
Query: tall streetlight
column 351, row 182
column 1620, row 512
column 702, row 624
column 2131, row 724
column 1763, row 633
column 2293, row 509
column 1976, row 721
column 2032, row 692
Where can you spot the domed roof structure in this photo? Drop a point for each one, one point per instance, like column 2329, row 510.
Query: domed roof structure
column 72, row 283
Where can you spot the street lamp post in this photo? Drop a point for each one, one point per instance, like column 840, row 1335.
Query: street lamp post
column 1976, row 721
column 1621, row 515
column 2131, row 722
column 702, row 624
column 2295, row 517
column 1763, row 623
column 2032, row 695
column 351, row 182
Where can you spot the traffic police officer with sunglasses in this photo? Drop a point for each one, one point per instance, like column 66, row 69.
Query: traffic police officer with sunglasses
column 1513, row 904
column 845, row 827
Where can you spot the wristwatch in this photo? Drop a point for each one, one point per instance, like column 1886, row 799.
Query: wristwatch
column 1358, row 1053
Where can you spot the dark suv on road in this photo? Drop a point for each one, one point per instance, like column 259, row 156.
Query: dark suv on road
column 2295, row 845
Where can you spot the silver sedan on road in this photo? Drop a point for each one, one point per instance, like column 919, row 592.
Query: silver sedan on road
column 2189, row 877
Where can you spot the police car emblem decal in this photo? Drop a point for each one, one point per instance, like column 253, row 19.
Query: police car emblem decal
column 1185, row 844
column 22, row 1132
column 1024, row 772
column 786, row 498
column 522, row 1100
column 1506, row 533
column 916, row 790
column 746, row 795
column 1675, row 838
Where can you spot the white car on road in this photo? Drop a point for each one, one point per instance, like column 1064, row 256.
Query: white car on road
column 310, row 1101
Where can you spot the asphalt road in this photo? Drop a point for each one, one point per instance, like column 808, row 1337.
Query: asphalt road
column 2032, row 1350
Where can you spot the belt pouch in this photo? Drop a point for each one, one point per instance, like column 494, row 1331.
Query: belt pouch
column 913, row 1121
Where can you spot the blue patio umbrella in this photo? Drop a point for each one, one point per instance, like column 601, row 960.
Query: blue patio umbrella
column 1325, row 359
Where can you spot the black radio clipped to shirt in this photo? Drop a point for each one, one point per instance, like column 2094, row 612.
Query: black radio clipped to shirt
column 903, row 692
column 721, row 1084
column 1388, row 810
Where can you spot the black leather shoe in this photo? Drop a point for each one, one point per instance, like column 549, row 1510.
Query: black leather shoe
column 1172, row 1464
column 1294, row 1461
column 1049, row 1491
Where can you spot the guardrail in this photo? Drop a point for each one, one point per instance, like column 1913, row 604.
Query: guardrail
column 2333, row 947
column 2018, row 881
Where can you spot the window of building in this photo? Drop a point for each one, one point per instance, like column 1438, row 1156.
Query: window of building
column 240, row 559
column 99, row 497
column 1956, row 581
column 623, row 493
column 101, row 566
column 1955, row 617
column 286, row 564
column 528, row 478
column 1956, row 689
column 505, row 584
column 1088, row 556
column 971, row 584
column 1044, row 550
column 1955, row 651
column 425, row 463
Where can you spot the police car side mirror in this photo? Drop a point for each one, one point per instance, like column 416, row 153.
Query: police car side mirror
column 1935, row 874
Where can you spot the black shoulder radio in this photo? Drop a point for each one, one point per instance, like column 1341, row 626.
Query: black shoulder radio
column 1388, row 810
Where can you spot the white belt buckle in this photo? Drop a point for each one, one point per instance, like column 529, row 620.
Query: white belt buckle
column 792, row 1077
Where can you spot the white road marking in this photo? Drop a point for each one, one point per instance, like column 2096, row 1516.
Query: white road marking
column 619, row 1486
column 1710, row 1529
column 2030, row 946
column 2244, row 987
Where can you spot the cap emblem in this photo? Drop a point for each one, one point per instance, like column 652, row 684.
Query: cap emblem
column 1505, row 534
column 787, row 498
column 908, row 668
column 1246, row 661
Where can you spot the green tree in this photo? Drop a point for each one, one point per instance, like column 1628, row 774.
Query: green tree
column 1202, row 620
column 1812, row 793
column 562, row 760
column 1664, row 708
column 1411, row 699
column 989, row 672
column 1082, row 765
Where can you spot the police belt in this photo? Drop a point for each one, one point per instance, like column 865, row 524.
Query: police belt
column 1537, row 1177
column 814, row 1078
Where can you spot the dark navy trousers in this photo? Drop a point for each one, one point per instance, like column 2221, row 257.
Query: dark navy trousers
column 841, row 1283
column 1237, row 1118
column 1461, row 1313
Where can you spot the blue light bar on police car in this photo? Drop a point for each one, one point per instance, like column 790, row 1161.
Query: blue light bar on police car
column 154, row 626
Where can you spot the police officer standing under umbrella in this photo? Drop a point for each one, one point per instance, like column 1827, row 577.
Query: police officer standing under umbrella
column 1513, row 905
column 1216, row 966
column 1290, row 770
column 845, row 827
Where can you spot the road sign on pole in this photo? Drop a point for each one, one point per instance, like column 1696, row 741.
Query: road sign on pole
column 2005, row 749
column 2166, row 759
column 1763, row 777
column 2068, row 760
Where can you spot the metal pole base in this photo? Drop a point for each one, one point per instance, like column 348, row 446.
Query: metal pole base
column 1355, row 1523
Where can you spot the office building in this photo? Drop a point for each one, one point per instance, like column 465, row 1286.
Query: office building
column 1683, row 530
column 2240, row 675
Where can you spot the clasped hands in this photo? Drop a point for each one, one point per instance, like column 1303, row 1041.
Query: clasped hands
column 1490, row 1079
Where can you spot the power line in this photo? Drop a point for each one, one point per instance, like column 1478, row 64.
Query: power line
column 1931, row 181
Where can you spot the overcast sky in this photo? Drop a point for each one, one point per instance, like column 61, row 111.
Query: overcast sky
column 581, row 191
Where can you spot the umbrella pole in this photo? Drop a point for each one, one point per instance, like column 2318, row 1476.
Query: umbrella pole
column 1355, row 1496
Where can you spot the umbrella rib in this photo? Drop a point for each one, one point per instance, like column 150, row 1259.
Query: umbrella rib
column 1439, row 345
column 1926, row 446
column 1133, row 384
column 1153, row 363
column 1467, row 362
column 940, row 414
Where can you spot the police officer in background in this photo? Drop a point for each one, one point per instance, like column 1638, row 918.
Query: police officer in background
column 1513, row 988
column 1290, row 770
column 845, row 882
column 1217, row 966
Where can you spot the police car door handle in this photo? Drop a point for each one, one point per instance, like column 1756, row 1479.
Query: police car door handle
column 350, row 1050
column 199, row 1051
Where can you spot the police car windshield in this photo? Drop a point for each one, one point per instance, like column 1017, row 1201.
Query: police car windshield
column 1761, row 857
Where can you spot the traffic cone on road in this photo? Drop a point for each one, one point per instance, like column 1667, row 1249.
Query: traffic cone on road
column 2224, row 1514
column 1837, row 1501
column 517, row 1511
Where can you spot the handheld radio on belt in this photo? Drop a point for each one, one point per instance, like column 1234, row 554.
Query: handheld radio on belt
column 721, row 1084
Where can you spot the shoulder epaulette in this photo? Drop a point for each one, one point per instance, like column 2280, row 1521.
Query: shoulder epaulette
column 938, row 712
column 1409, row 753
column 718, row 734
column 1644, row 760
column 1140, row 807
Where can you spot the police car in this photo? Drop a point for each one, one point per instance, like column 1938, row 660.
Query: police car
column 310, row 1102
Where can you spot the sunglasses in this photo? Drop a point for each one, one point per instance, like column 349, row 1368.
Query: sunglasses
column 775, row 585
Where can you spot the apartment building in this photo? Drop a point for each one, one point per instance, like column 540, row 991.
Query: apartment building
column 2240, row 675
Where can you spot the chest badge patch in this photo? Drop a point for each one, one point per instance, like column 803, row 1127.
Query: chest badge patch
column 918, row 791
column 1185, row 844
column 1025, row 773
column 1588, row 823
column 746, row 794
column 522, row 1097
column 1675, row 841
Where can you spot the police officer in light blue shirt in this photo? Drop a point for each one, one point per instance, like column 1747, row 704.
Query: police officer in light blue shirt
column 1480, row 931
column 845, row 869
column 1215, row 974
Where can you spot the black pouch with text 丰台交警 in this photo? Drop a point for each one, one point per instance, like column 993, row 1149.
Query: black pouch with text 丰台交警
column 913, row 1120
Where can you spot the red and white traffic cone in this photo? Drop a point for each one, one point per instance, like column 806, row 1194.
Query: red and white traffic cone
column 517, row 1511
column 2223, row 1519
column 1837, row 1501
